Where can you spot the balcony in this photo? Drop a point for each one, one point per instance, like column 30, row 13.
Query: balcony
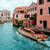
column 21, row 12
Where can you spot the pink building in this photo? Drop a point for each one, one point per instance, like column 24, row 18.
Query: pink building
column 43, row 13
column 32, row 9
column 1, row 17
column 7, row 15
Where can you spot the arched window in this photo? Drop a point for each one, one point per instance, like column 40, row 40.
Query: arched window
column 35, row 15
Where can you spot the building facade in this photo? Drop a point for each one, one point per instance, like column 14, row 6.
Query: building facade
column 1, row 17
column 7, row 15
column 19, row 14
column 43, row 13
column 32, row 9
column 24, row 13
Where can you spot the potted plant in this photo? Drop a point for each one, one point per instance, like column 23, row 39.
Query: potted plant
column 16, row 20
column 20, row 21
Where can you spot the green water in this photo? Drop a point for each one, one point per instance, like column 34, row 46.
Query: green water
column 10, row 39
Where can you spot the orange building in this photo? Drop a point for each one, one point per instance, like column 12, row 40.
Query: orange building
column 43, row 13
column 19, row 14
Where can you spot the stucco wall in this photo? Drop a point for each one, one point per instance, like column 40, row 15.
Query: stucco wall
column 45, row 16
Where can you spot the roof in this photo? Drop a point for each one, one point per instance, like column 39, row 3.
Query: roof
column 32, row 5
column 6, row 11
column 23, row 8
column 1, row 11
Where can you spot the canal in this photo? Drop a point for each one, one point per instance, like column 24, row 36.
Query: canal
column 10, row 39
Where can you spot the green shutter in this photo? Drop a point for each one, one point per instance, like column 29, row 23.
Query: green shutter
column 0, row 17
column 1, row 14
column 35, row 8
column 16, row 16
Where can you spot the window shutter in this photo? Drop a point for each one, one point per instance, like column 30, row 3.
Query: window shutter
column 42, row 1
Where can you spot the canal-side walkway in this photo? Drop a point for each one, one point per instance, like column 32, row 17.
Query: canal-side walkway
column 42, row 29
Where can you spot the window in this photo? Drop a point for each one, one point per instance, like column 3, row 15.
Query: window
column 27, row 16
column 16, row 22
column 0, row 17
column 16, row 16
column 8, row 17
column 41, row 1
column 49, row 10
column 41, row 11
column 35, row 8
column 28, row 10
column 40, row 22
column 1, row 14
column 8, row 14
column 48, row 0
column 31, row 9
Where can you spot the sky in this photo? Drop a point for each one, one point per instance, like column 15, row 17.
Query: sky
column 12, row 4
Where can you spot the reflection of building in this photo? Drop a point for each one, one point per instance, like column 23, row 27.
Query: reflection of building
column 7, row 15
column 19, row 14
column 43, row 13
column 1, row 17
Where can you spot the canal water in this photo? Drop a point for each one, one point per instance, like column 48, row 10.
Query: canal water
column 10, row 39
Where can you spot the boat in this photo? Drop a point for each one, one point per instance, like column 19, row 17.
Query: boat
column 33, row 34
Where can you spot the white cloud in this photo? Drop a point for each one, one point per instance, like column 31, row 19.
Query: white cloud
column 5, row 4
column 12, row 4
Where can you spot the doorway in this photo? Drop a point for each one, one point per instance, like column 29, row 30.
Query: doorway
column 0, row 21
column 45, row 24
